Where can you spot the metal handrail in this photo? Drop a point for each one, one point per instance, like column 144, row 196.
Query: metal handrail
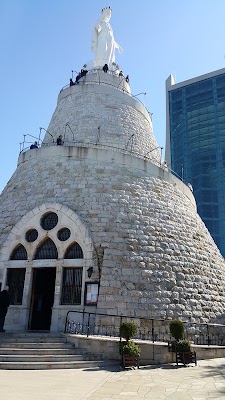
column 114, row 148
column 83, row 81
column 198, row 333
column 96, row 145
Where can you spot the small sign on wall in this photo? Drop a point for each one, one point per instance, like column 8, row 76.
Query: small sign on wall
column 91, row 293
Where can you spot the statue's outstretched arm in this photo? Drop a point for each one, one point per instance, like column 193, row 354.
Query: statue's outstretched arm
column 117, row 46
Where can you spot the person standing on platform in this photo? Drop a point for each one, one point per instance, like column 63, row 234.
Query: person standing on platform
column 34, row 146
column 105, row 68
column 59, row 141
column 4, row 304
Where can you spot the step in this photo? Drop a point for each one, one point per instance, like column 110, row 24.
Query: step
column 22, row 351
column 58, row 365
column 31, row 335
column 32, row 345
column 44, row 351
column 31, row 339
column 46, row 358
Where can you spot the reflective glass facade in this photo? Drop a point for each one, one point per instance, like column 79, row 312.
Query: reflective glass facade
column 197, row 146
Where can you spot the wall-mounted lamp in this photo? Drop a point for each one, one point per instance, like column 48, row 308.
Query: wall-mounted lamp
column 90, row 272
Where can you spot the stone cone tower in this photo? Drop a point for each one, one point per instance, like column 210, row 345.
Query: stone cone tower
column 101, row 211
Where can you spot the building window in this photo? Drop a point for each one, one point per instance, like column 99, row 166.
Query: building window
column 47, row 250
column 15, row 281
column 19, row 253
column 72, row 285
column 63, row 234
column 74, row 251
column 49, row 221
column 31, row 235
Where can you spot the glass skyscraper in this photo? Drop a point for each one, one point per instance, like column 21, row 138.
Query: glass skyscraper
column 195, row 144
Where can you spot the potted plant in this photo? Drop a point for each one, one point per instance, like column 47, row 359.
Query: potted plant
column 177, row 331
column 183, row 346
column 184, row 353
column 128, row 330
column 130, row 351
column 130, row 354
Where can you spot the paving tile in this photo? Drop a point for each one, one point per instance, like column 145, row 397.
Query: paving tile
column 179, row 396
column 204, row 382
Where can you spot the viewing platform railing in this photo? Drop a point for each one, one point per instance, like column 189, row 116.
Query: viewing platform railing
column 154, row 330
column 123, row 150
column 99, row 81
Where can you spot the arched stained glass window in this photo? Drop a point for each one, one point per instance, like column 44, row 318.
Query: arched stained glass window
column 74, row 251
column 19, row 253
column 47, row 250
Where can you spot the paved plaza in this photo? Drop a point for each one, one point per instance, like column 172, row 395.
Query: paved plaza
column 201, row 382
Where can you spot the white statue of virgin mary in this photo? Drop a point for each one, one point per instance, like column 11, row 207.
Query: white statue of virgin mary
column 103, row 42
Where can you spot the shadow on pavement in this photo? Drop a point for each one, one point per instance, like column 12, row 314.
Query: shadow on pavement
column 118, row 368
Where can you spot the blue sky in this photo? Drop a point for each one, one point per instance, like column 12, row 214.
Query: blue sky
column 42, row 41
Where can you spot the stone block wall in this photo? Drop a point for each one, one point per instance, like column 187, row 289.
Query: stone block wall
column 104, row 115
column 151, row 353
column 159, row 258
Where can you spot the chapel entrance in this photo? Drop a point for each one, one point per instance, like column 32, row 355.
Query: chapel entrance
column 42, row 298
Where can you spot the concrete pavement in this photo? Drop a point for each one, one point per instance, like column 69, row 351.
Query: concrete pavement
column 201, row 382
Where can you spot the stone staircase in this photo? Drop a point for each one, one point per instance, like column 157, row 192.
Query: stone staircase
column 44, row 351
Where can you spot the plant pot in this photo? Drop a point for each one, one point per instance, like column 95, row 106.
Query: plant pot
column 186, row 357
column 130, row 361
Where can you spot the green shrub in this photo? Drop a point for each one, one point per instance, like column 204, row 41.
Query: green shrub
column 183, row 346
column 177, row 329
column 128, row 330
column 131, row 349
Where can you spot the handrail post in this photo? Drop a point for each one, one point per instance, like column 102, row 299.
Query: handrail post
column 121, row 318
column 39, row 138
column 153, row 331
column 88, row 327
column 120, row 347
column 66, row 322
column 83, row 322
column 208, row 334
